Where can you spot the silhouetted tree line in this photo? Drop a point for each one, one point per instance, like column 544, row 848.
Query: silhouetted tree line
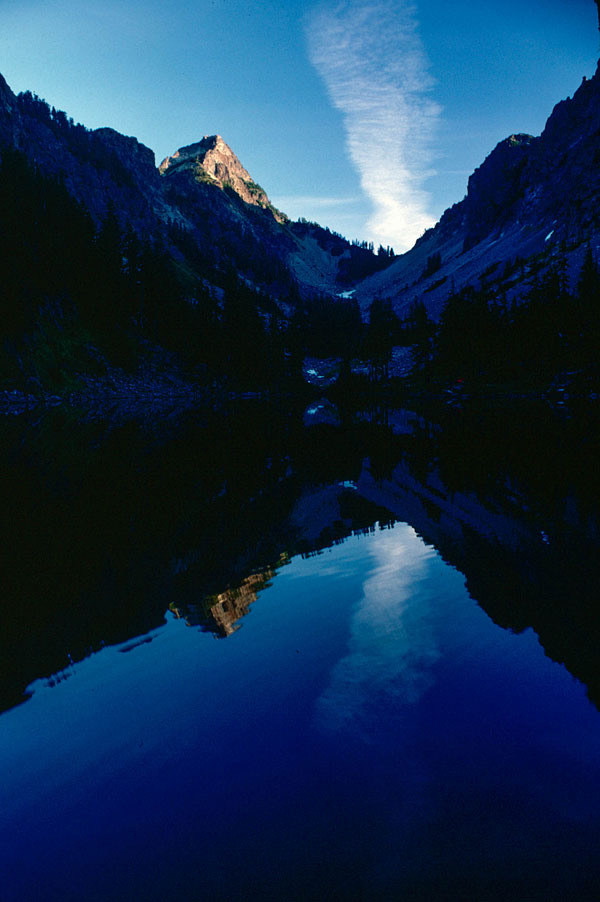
column 333, row 327
column 216, row 243
column 326, row 327
column 59, row 270
column 482, row 337
column 81, row 141
column 356, row 259
column 356, row 242
column 434, row 262
column 71, row 293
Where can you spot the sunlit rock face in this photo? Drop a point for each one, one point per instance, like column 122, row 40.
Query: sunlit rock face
column 211, row 160
column 221, row 614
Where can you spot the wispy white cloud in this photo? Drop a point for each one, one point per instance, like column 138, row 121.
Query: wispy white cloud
column 372, row 61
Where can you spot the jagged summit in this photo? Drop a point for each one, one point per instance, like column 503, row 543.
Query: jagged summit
column 215, row 156
column 212, row 161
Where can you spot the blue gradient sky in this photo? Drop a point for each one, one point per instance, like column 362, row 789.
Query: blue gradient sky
column 365, row 116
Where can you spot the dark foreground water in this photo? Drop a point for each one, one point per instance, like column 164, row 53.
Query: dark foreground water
column 248, row 659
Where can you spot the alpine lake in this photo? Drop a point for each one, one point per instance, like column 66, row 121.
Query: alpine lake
column 301, row 653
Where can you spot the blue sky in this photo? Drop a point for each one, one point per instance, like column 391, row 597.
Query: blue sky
column 365, row 116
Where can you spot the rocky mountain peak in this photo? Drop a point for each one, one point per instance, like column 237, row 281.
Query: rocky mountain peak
column 215, row 156
column 212, row 161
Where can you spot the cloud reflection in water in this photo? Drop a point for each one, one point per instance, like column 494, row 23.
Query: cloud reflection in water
column 392, row 646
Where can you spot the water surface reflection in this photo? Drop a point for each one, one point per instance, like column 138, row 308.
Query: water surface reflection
column 370, row 733
column 109, row 525
column 392, row 645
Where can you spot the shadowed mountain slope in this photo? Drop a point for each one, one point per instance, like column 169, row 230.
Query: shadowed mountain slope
column 201, row 203
column 532, row 199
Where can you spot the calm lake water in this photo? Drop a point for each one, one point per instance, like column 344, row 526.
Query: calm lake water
column 248, row 658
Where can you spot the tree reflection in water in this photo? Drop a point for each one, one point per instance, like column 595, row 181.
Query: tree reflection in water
column 107, row 526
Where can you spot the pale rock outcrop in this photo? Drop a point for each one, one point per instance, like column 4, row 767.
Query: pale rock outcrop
column 211, row 160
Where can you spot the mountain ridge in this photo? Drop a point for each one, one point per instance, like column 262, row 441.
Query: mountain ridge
column 529, row 197
column 202, row 189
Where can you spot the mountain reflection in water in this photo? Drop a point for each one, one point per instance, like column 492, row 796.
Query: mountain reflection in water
column 221, row 614
column 371, row 732
column 106, row 528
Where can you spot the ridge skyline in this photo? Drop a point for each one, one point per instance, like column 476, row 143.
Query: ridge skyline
column 277, row 111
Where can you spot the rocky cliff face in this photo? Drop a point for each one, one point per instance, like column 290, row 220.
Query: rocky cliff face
column 529, row 199
column 212, row 161
column 494, row 187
